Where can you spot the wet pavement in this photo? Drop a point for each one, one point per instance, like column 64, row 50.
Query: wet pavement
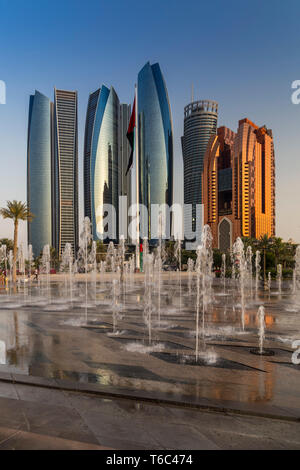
column 33, row 417
column 46, row 335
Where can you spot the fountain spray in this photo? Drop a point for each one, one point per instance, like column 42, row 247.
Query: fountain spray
column 190, row 274
column 148, row 281
column 279, row 277
column 177, row 252
column 261, row 328
column 46, row 269
column 223, row 271
column 204, row 278
column 240, row 263
column 249, row 256
column 83, row 255
column 296, row 272
column 257, row 271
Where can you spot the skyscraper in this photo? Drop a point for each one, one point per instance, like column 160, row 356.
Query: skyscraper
column 155, row 141
column 39, row 156
column 101, row 160
column 200, row 122
column 239, row 184
column 65, row 170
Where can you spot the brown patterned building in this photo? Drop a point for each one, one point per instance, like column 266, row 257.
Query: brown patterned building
column 239, row 184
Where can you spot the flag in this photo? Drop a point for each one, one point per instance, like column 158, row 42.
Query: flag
column 130, row 136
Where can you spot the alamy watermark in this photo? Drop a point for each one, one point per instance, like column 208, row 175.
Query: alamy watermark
column 2, row 92
column 295, row 96
column 157, row 221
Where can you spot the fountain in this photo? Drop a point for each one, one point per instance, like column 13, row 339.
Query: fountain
column 249, row 256
column 21, row 263
column 190, row 268
column 46, row 269
column 30, row 261
column 261, row 351
column 269, row 283
column 177, row 254
column 115, row 303
column 223, row 271
column 148, row 285
column 83, row 257
column 279, row 277
column 111, row 257
column 204, row 278
column 93, row 264
column 152, row 306
column 10, row 262
column 66, row 266
column 257, row 271
column 296, row 272
column 241, row 268
column 3, row 256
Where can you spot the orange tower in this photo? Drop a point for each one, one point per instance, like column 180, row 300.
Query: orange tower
column 239, row 184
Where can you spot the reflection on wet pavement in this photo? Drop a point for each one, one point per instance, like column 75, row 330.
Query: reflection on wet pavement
column 53, row 340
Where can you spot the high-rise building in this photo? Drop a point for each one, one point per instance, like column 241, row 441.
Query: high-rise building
column 39, row 156
column 124, row 180
column 239, row 184
column 200, row 122
column 65, row 170
column 101, row 160
column 155, row 142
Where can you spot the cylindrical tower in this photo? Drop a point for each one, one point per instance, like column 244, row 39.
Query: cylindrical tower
column 200, row 122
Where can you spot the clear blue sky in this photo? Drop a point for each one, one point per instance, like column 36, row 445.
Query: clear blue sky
column 245, row 55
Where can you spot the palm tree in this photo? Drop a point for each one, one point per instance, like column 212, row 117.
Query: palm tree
column 277, row 248
column 16, row 210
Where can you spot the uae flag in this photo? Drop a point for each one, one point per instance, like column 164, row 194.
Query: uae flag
column 130, row 136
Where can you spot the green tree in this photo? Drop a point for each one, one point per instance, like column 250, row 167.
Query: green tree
column 16, row 211
column 8, row 242
column 277, row 248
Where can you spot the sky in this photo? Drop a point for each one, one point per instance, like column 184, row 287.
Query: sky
column 245, row 55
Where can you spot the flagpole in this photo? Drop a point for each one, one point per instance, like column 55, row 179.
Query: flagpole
column 137, row 251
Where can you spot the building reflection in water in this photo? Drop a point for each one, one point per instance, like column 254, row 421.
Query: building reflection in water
column 14, row 342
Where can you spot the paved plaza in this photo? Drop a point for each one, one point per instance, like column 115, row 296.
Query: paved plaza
column 76, row 373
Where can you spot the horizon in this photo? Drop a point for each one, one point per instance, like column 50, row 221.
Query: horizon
column 240, row 72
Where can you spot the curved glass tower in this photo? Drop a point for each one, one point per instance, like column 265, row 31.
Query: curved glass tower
column 155, row 140
column 101, row 158
column 39, row 148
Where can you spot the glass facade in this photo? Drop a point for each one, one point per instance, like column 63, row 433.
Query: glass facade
column 65, row 170
column 200, row 122
column 155, row 140
column 101, row 158
column 39, row 171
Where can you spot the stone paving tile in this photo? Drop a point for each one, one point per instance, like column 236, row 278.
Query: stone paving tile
column 236, row 441
column 7, row 390
column 42, row 395
column 7, row 433
column 179, row 436
column 126, row 444
column 27, row 379
column 21, row 440
column 40, row 418
column 12, row 413
column 276, row 429
column 118, row 426
column 121, row 406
